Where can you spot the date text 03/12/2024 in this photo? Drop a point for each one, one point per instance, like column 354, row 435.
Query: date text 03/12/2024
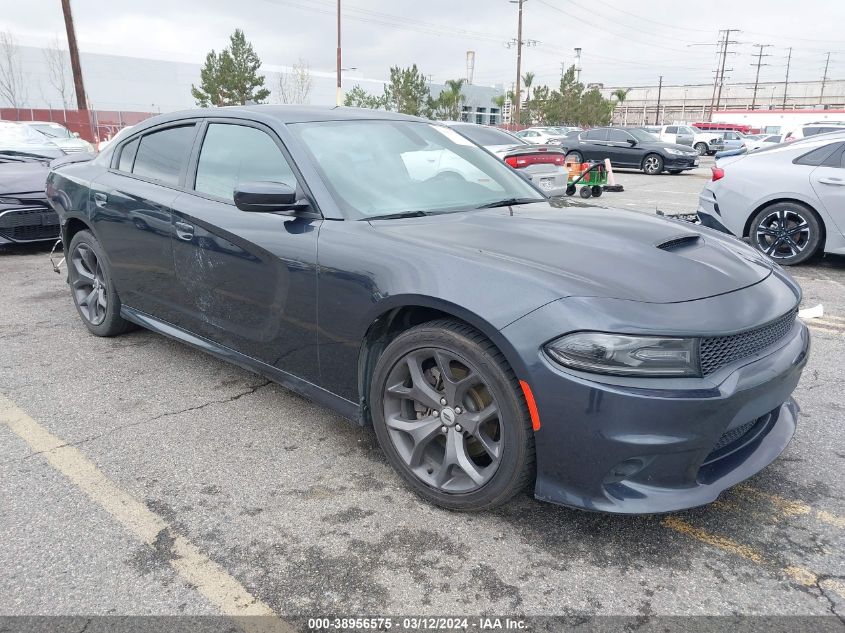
column 417, row 624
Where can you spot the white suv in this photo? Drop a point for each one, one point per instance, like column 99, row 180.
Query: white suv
column 811, row 129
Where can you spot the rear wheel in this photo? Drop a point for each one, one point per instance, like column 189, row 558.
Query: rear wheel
column 788, row 232
column 586, row 192
column 653, row 164
column 451, row 418
column 94, row 295
column 597, row 190
column 701, row 148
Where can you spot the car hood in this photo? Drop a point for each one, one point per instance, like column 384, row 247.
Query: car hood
column 590, row 251
column 664, row 145
column 23, row 177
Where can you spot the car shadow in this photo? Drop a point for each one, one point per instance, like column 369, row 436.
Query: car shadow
column 33, row 248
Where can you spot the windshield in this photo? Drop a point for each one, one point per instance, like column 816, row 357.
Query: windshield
column 484, row 135
column 53, row 130
column 642, row 135
column 381, row 167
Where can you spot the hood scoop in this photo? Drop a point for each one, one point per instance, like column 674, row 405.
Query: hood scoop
column 680, row 242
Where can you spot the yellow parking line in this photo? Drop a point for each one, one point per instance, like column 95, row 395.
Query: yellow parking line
column 209, row 578
column 800, row 575
column 789, row 507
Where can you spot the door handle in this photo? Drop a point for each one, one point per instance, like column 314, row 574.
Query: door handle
column 184, row 231
column 100, row 199
column 832, row 181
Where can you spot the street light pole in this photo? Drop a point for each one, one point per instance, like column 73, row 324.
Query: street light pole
column 339, row 87
column 517, row 97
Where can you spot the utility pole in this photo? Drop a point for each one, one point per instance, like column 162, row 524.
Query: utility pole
column 517, row 96
column 824, row 77
column 786, row 81
column 728, row 41
column 760, row 56
column 339, row 89
column 73, row 49
column 659, row 92
column 577, row 65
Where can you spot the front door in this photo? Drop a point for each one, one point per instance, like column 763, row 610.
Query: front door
column 623, row 152
column 248, row 280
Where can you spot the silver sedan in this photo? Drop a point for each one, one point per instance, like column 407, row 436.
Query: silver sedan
column 787, row 199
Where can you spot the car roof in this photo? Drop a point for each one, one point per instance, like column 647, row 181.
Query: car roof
column 288, row 113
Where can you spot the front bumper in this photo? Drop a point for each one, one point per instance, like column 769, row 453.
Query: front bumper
column 29, row 219
column 680, row 162
column 636, row 446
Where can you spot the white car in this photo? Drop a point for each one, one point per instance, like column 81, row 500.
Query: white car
column 702, row 142
column 811, row 129
column 762, row 140
column 68, row 141
column 787, row 199
column 540, row 136
column 120, row 133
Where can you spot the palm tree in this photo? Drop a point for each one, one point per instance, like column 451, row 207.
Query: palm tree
column 528, row 79
column 499, row 101
column 620, row 94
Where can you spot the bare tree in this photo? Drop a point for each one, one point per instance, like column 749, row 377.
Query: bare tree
column 12, row 86
column 58, row 70
column 295, row 86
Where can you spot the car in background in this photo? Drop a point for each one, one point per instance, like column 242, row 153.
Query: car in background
column 787, row 199
column 18, row 139
column 119, row 134
column 811, row 129
column 68, row 141
column 630, row 147
column 762, row 140
column 732, row 139
column 680, row 134
column 544, row 165
column 541, row 136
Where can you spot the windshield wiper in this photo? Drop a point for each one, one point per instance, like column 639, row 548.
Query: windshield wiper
column 401, row 214
column 509, row 202
column 22, row 156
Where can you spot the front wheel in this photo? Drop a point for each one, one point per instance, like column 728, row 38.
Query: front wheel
column 451, row 418
column 653, row 164
column 94, row 295
column 701, row 148
column 788, row 232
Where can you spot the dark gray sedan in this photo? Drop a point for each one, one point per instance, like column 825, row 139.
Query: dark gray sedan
column 605, row 359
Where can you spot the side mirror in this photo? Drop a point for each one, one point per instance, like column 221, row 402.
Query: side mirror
column 267, row 197
column 632, row 141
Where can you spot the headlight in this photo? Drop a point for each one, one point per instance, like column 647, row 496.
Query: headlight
column 623, row 355
column 674, row 152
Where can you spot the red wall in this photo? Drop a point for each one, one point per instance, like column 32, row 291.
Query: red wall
column 92, row 125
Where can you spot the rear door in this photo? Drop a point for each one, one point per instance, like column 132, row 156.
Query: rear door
column 132, row 215
column 593, row 145
column 670, row 134
column 247, row 280
column 828, row 181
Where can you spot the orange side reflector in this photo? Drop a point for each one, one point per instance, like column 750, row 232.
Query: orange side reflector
column 532, row 405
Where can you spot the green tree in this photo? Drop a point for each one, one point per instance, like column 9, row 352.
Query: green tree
column 360, row 98
column 407, row 91
column 526, row 113
column 569, row 104
column 449, row 103
column 231, row 78
column 620, row 94
column 498, row 101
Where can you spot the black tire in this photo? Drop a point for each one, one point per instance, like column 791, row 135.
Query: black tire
column 597, row 191
column 585, row 192
column 652, row 164
column 391, row 397
column 89, row 276
column 570, row 190
column 701, row 148
column 789, row 232
column 574, row 157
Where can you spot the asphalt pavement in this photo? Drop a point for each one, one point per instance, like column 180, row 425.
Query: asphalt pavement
column 141, row 477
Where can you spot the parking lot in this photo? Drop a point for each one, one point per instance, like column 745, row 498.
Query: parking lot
column 141, row 477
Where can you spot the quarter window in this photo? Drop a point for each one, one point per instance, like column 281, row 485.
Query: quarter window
column 162, row 155
column 232, row 154
column 817, row 156
column 127, row 156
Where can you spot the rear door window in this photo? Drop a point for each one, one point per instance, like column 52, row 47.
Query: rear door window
column 595, row 135
column 162, row 155
column 672, row 129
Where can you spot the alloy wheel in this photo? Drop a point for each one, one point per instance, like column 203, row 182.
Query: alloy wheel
column 651, row 165
column 783, row 234
column 443, row 420
column 88, row 284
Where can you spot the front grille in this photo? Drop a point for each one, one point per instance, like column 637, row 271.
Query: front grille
column 729, row 437
column 23, row 225
column 718, row 351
